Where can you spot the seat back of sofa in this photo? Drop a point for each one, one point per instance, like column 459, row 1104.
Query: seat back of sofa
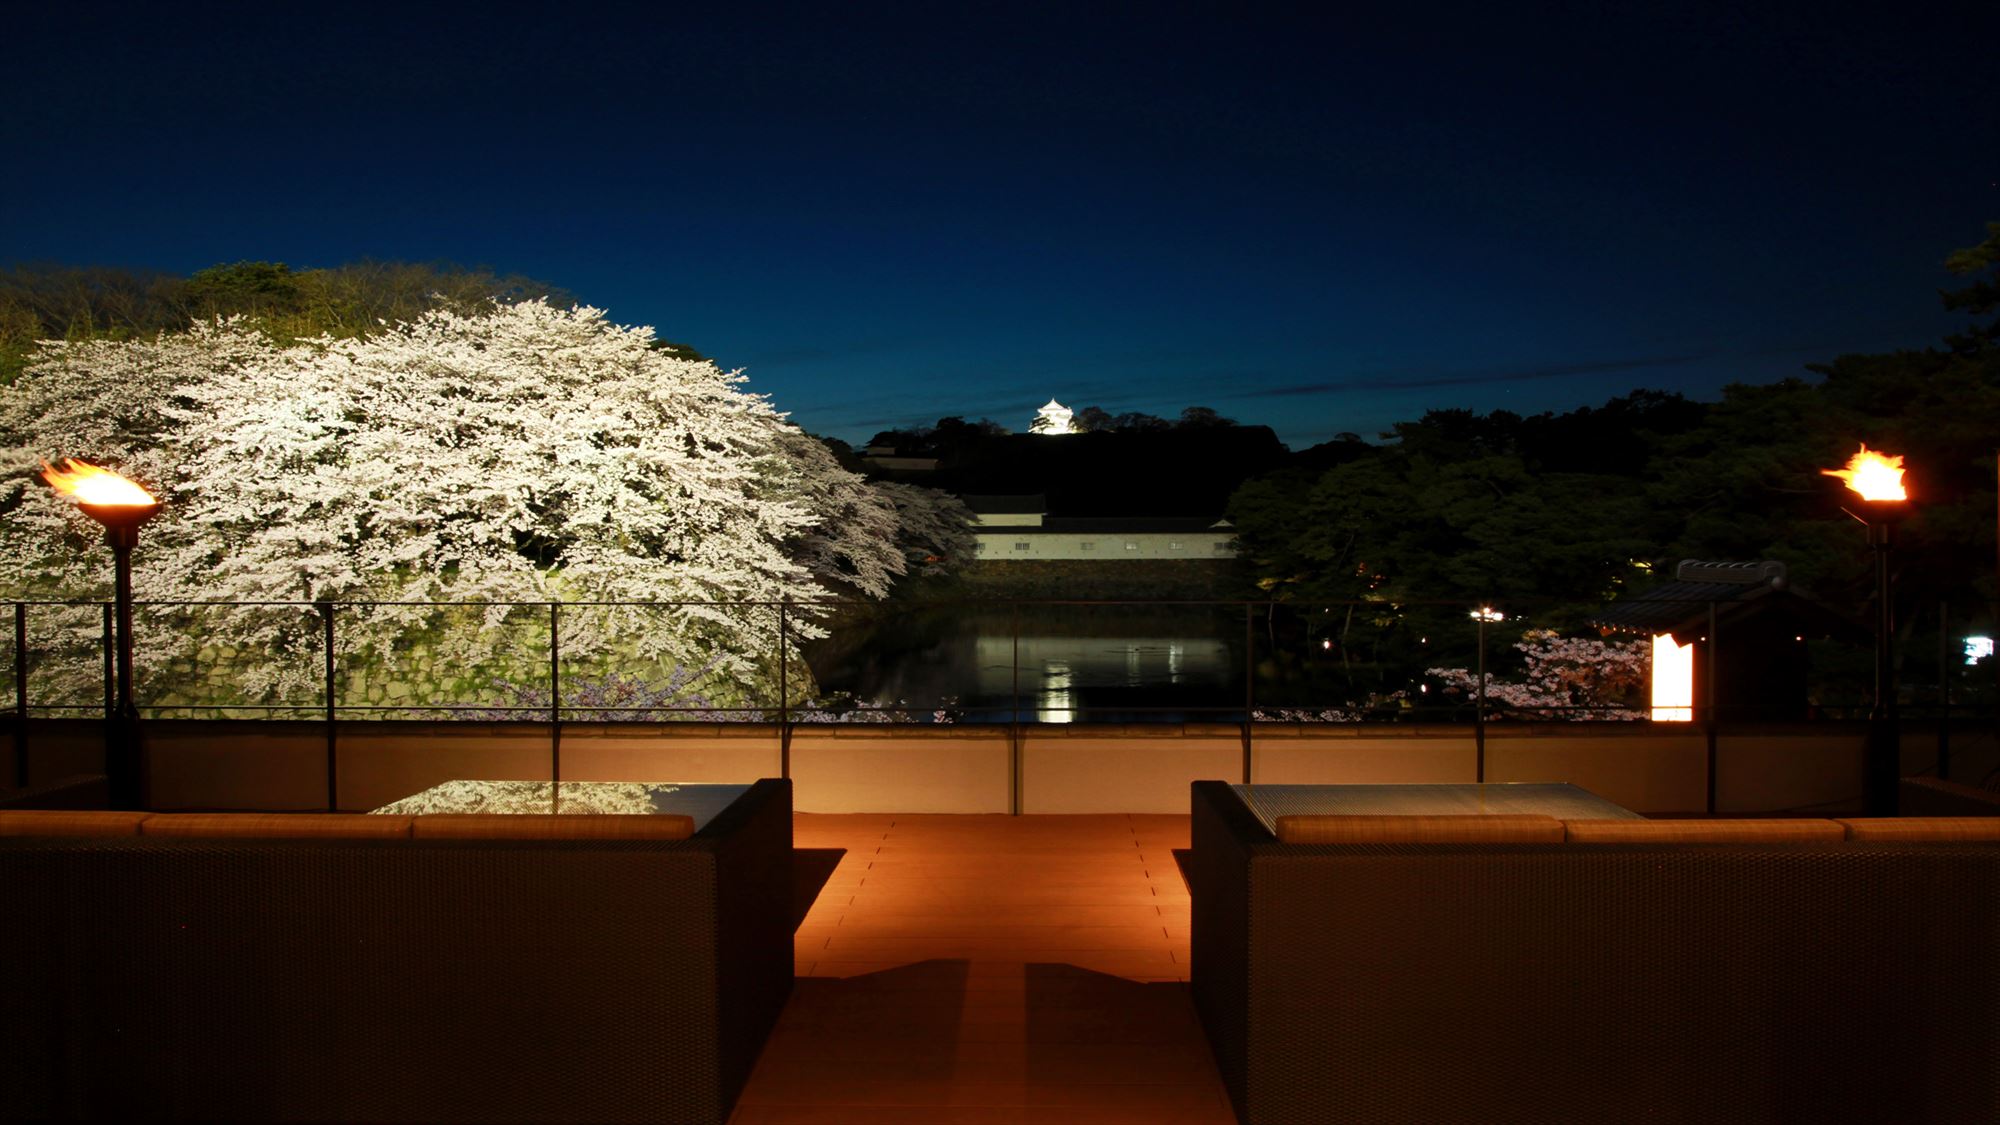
column 1598, row 981
column 1690, row 983
column 242, row 977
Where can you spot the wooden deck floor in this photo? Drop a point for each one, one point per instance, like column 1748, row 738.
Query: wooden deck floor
column 977, row 970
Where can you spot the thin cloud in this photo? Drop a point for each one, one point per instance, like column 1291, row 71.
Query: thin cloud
column 1477, row 378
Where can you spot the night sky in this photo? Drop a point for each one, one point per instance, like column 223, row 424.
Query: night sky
column 889, row 214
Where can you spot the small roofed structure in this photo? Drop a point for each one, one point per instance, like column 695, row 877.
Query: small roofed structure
column 1760, row 626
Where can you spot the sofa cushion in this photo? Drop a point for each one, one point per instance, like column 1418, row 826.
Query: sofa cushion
column 65, row 822
column 549, row 826
column 1466, row 829
column 353, row 826
column 1773, row 830
column 1921, row 829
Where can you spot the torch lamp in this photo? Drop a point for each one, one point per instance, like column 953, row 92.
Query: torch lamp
column 1876, row 497
column 120, row 506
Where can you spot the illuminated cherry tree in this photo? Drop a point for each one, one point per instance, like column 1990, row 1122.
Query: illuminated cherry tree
column 528, row 454
column 1563, row 678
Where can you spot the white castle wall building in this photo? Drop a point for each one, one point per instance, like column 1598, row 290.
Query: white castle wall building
column 1018, row 529
column 1055, row 418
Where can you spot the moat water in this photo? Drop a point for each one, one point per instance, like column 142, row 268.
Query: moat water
column 1047, row 664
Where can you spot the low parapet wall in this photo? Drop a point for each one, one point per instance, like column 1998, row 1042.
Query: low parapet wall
column 1036, row 768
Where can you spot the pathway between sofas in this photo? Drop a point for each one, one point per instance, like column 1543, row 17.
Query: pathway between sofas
column 991, row 969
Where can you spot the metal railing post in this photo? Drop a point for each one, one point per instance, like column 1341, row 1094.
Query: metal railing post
column 555, row 701
column 110, row 666
column 1944, row 691
column 1479, row 702
column 1249, row 682
column 332, row 731
column 21, row 695
column 1709, row 710
column 1014, row 713
column 784, row 688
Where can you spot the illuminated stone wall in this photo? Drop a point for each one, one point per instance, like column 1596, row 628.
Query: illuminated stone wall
column 996, row 545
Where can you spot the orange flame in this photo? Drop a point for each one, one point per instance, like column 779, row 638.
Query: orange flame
column 1876, row 476
column 94, row 485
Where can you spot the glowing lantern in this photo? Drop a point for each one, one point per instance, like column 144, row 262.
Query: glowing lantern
column 1880, row 502
column 1873, row 476
column 95, row 486
column 121, row 506
column 1673, row 680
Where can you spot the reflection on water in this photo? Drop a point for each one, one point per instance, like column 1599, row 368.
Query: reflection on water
column 1058, row 673
column 1057, row 670
column 1054, row 702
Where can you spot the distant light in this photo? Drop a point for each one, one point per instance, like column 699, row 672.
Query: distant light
column 1978, row 649
column 1487, row 613
column 1327, row 644
column 1424, row 688
column 1673, row 680
column 1055, row 418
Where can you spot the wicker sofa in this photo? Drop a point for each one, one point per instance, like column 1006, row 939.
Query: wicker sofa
column 1782, row 971
column 1928, row 796
column 368, row 968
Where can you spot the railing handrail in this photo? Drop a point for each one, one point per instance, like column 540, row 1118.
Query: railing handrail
column 773, row 603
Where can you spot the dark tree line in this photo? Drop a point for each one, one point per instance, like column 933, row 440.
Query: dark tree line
column 1555, row 514
column 954, row 435
column 42, row 302
column 1093, row 420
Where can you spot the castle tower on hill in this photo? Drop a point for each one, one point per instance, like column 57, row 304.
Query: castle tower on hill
column 1055, row 418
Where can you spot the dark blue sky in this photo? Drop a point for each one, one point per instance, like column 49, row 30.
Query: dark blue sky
column 887, row 214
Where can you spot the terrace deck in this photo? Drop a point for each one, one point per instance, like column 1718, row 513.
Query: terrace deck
column 991, row 969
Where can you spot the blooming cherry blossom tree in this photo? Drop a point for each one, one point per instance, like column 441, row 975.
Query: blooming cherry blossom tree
column 1565, row 678
column 526, row 454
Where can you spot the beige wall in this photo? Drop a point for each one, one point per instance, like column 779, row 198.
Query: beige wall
column 1975, row 751
column 1125, row 769
column 1359, row 754
column 918, row 769
column 867, row 768
column 1803, row 769
column 701, row 752
column 57, row 748
column 219, row 765
column 282, row 765
column 1657, row 770
column 382, row 762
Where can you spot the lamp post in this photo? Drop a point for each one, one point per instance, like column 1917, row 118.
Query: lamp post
column 1485, row 615
column 1878, row 499
column 120, row 507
